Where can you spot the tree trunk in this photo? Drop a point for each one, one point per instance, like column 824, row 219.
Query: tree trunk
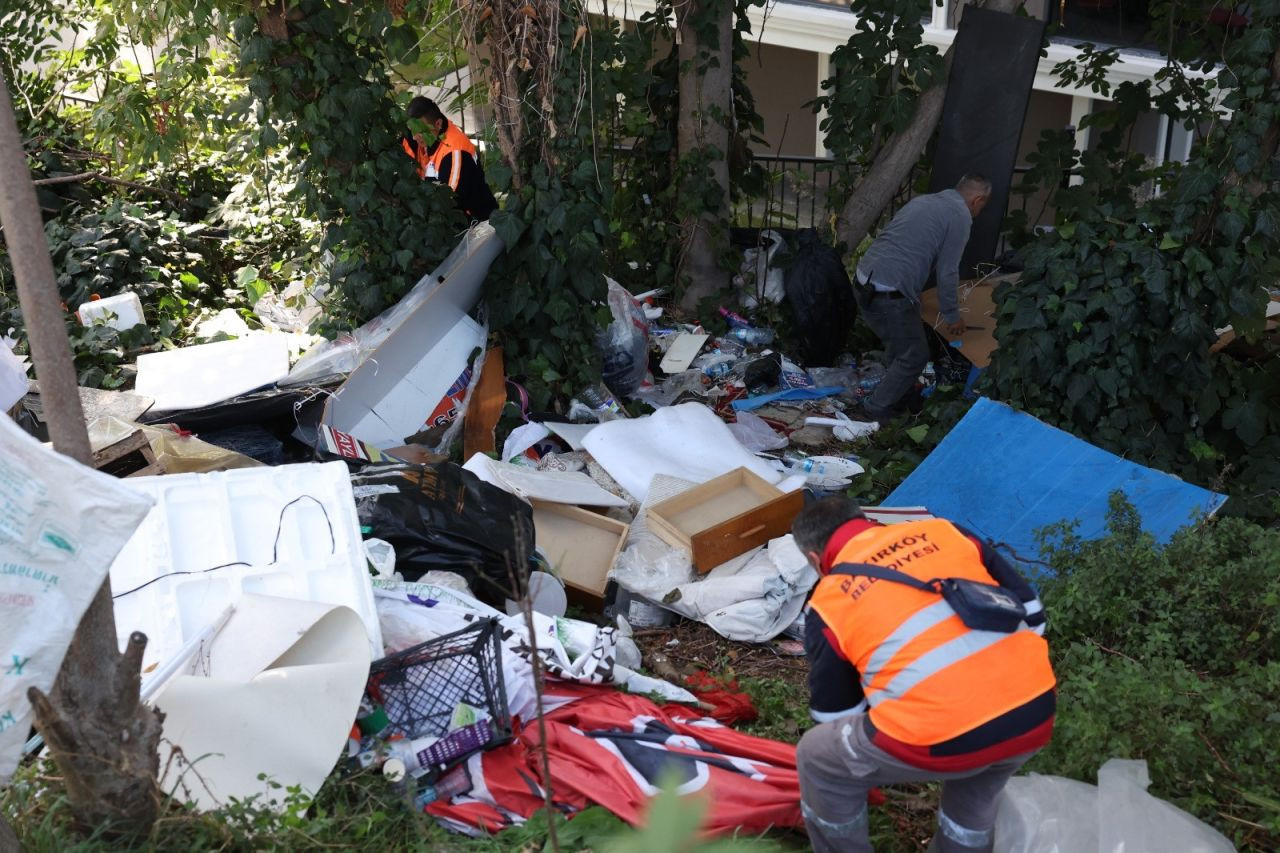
column 896, row 158
column 702, row 131
column 102, row 738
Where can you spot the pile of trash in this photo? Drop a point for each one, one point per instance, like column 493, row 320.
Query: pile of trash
column 295, row 544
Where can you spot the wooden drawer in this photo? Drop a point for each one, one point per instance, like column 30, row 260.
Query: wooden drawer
column 725, row 517
column 581, row 547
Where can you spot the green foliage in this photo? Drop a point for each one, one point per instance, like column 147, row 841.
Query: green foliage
column 326, row 92
column 1108, row 333
column 174, row 267
column 1171, row 654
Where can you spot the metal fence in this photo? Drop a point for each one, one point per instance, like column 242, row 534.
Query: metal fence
column 806, row 192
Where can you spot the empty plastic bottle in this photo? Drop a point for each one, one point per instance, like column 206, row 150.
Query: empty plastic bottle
column 736, row 321
column 599, row 400
column 752, row 336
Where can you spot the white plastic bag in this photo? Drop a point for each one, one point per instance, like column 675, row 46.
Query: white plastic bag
column 755, row 435
column 1050, row 814
column 61, row 526
column 624, row 346
column 759, row 280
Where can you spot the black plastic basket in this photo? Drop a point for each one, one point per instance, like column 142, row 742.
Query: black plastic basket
column 420, row 687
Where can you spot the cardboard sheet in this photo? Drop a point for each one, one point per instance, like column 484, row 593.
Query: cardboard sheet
column 1004, row 475
column 275, row 693
column 684, row 349
column 977, row 309
column 205, row 374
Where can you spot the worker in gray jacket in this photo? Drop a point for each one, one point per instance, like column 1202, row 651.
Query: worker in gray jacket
column 928, row 234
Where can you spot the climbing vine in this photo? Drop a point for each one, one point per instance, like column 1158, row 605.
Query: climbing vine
column 321, row 78
column 1111, row 330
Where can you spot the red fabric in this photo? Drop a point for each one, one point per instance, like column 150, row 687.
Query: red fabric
column 729, row 704
column 609, row 748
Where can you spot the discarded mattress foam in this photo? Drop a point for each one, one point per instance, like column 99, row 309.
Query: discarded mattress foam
column 61, row 524
column 457, row 282
column 290, row 531
column 205, row 374
column 687, row 441
column 1004, row 475
column 566, row 487
column 273, row 692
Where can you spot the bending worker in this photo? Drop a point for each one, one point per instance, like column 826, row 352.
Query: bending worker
column 928, row 234
column 903, row 688
column 445, row 154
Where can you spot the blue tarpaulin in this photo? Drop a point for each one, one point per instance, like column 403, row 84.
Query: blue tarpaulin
column 1003, row 474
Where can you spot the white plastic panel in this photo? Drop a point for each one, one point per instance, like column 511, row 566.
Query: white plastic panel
column 205, row 520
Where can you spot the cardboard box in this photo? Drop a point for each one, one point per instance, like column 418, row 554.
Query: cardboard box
column 725, row 517
column 582, row 547
column 393, row 394
column 977, row 309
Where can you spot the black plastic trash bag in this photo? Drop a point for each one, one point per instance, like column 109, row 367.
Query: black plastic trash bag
column 442, row 518
column 821, row 299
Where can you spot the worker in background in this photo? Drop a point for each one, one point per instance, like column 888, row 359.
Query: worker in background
column 445, row 154
column 928, row 234
column 903, row 689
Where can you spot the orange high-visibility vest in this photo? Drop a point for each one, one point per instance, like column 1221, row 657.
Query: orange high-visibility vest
column 927, row 677
column 452, row 140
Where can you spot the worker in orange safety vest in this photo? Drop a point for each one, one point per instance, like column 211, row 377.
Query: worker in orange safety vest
column 445, row 154
column 903, row 688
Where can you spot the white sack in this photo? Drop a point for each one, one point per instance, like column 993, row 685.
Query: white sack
column 61, row 525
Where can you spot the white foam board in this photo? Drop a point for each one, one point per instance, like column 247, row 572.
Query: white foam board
column 205, row 520
column 205, row 374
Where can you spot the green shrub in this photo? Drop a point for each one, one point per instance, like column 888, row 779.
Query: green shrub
column 1172, row 654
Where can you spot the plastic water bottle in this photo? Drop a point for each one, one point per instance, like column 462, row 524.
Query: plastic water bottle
column 600, row 401
column 822, row 468
column 752, row 336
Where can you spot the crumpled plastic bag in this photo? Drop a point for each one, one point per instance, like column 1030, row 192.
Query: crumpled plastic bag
column 755, row 435
column 758, row 278
column 1050, row 814
column 624, row 345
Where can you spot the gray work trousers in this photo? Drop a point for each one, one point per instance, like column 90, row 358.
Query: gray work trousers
column 839, row 765
column 896, row 321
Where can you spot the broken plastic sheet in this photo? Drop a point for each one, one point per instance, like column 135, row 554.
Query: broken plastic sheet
column 747, row 404
column 61, row 525
column 687, row 441
column 755, row 435
column 1050, row 814
column 566, row 487
column 347, row 352
column 273, row 692
column 569, row 649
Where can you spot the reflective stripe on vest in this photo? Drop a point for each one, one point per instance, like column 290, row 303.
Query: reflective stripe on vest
column 927, row 677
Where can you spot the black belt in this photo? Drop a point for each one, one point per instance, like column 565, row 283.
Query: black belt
column 871, row 293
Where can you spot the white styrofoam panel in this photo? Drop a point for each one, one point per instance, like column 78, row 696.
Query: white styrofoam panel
column 206, row 520
column 205, row 374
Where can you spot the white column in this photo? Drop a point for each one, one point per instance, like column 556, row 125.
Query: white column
column 941, row 14
column 1180, row 145
column 1081, row 106
column 1161, row 155
column 824, row 71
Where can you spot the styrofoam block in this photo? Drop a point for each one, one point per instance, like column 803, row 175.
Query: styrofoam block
column 205, row 374
column 205, row 520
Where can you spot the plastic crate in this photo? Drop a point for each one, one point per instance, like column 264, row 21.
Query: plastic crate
column 420, row 687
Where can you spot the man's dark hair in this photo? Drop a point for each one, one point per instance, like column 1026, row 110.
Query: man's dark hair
column 819, row 520
column 421, row 107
